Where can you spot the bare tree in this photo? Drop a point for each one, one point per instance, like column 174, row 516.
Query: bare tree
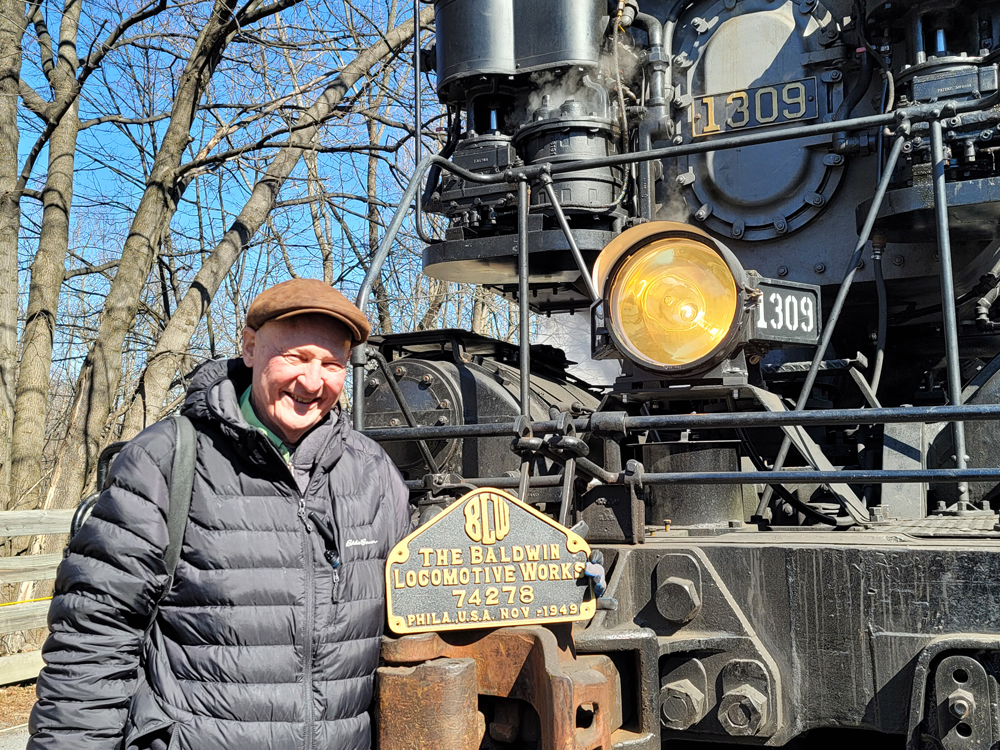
column 172, row 344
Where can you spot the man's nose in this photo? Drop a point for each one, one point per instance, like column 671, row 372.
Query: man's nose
column 311, row 376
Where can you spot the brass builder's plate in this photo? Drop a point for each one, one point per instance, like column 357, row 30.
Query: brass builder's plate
column 487, row 561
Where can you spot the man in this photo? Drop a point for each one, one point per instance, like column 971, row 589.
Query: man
column 269, row 635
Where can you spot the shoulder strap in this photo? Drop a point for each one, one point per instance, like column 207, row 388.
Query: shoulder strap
column 181, row 484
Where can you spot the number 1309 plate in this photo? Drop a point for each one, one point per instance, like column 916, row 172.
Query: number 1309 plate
column 792, row 101
column 787, row 311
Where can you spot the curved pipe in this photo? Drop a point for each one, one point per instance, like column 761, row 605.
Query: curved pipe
column 983, row 321
column 855, row 95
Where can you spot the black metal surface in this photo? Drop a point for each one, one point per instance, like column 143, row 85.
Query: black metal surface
column 700, row 504
column 845, row 628
column 501, row 37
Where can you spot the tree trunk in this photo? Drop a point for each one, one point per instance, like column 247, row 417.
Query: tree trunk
column 100, row 374
column 172, row 344
column 11, row 32
column 47, row 273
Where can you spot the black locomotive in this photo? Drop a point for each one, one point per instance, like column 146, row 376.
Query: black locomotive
column 774, row 228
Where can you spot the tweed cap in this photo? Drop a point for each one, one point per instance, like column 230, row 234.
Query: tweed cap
column 303, row 297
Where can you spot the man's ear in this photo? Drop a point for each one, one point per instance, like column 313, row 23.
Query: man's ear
column 249, row 346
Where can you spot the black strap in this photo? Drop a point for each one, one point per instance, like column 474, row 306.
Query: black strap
column 181, row 484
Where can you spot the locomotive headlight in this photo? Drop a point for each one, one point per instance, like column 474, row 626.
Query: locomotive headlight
column 671, row 296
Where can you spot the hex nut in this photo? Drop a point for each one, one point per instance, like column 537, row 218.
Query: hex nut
column 743, row 711
column 678, row 600
column 961, row 704
column 681, row 705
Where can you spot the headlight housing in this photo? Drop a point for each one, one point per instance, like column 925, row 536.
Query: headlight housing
column 673, row 297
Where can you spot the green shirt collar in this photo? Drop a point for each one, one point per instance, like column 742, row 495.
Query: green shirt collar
column 251, row 417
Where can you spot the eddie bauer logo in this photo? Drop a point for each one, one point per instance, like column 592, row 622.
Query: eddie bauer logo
column 477, row 519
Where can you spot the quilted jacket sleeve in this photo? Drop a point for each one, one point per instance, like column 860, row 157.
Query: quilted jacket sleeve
column 105, row 592
column 398, row 495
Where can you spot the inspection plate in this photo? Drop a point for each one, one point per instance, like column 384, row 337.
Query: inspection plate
column 487, row 561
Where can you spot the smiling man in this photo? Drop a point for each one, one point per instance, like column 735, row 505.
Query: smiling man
column 269, row 635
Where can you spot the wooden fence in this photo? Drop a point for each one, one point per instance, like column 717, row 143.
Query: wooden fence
column 27, row 615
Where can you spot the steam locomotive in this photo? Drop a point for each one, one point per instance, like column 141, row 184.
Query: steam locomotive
column 769, row 233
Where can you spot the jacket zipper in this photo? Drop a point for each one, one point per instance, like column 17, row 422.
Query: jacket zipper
column 310, row 605
column 309, row 596
column 310, row 583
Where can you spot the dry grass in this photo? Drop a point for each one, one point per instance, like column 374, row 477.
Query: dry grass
column 15, row 704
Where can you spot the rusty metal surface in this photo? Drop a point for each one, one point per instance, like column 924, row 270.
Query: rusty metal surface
column 576, row 698
column 430, row 706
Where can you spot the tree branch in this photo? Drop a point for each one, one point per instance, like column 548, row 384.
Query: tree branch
column 33, row 100
column 122, row 120
column 70, row 273
column 59, row 108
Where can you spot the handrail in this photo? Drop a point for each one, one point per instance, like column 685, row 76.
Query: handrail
column 626, row 423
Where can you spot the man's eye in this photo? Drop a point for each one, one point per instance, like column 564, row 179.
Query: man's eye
column 334, row 366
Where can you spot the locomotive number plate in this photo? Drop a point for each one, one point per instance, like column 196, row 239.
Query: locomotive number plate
column 487, row 561
column 787, row 311
column 754, row 108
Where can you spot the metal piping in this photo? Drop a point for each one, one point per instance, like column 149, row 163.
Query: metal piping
column 919, row 53
column 588, row 282
column 522, row 293
column 838, row 304
column 866, row 476
column 418, row 123
column 947, row 302
column 722, row 420
column 921, row 112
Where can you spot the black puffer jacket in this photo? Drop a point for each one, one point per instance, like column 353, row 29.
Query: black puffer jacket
column 256, row 645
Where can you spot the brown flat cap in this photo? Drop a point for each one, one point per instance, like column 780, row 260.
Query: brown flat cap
column 305, row 296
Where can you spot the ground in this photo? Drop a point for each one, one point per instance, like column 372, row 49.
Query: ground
column 15, row 704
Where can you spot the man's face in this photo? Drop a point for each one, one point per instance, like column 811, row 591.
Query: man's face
column 299, row 366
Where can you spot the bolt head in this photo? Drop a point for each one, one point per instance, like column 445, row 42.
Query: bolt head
column 820, row 268
column 898, row 260
column 678, row 600
column 681, row 705
column 782, row 270
column 743, row 711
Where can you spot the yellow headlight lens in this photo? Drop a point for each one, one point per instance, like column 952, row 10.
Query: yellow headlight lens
column 673, row 301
